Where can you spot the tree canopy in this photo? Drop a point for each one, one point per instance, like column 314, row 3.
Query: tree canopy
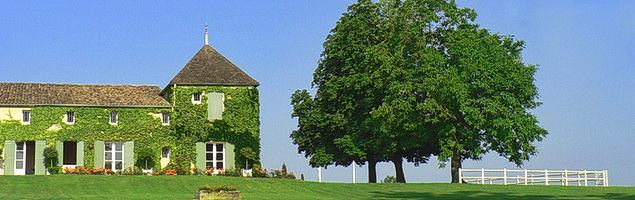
column 411, row 79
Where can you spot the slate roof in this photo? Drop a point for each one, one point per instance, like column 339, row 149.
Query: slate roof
column 209, row 67
column 30, row 94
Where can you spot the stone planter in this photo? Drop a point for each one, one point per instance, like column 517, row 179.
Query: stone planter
column 221, row 195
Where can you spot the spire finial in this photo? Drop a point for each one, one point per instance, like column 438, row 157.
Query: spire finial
column 206, row 35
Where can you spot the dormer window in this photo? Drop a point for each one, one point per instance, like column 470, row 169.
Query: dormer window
column 70, row 117
column 26, row 117
column 114, row 117
column 196, row 98
column 165, row 119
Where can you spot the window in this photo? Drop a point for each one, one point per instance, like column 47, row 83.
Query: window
column 69, row 153
column 165, row 152
column 26, row 116
column 114, row 117
column 165, row 118
column 196, row 98
column 70, row 117
column 113, row 155
column 214, row 155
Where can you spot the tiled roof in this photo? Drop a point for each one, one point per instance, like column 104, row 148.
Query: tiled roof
column 27, row 94
column 209, row 67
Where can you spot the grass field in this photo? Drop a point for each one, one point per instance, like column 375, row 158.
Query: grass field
column 184, row 187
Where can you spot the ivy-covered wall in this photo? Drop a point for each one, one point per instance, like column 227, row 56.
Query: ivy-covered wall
column 92, row 123
column 240, row 124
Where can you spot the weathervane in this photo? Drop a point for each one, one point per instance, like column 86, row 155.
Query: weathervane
column 206, row 35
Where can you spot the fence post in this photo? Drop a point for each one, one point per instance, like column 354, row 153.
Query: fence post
column 353, row 165
column 578, row 173
column 606, row 178
column 525, row 176
column 483, row 176
column 586, row 178
column 504, row 176
column 546, row 177
column 460, row 175
column 566, row 177
column 320, row 174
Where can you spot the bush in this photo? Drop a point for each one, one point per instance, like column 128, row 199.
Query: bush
column 389, row 179
column 259, row 172
column 181, row 164
column 301, row 176
column 231, row 172
column 54, row 169
column 132, row 171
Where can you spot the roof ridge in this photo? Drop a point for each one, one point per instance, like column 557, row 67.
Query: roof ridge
column 83, row 84
column 208, row 66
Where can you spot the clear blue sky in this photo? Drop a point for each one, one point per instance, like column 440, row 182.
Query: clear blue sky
column 585, row 50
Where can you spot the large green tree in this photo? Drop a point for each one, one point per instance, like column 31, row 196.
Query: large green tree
column 334, row 127
column 485, row 93
column 415, row 78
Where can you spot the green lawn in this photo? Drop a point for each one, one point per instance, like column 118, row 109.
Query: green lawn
column 184, row 187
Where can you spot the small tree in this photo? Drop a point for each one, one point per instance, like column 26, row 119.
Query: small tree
column 146, row 158
column 50, row 157
column 284, row 168
column 249, row 154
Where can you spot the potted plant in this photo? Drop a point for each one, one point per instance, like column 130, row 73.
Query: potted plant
column 218, row 192
column 50, row 160
column 249, row 154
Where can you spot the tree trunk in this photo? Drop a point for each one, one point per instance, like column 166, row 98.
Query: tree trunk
column 456, row 163
column 372, row 171
column 399, row 170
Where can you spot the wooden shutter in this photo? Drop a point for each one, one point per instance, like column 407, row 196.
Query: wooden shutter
column 59, row 147
column 39, row 157
column 99, row 154
column 128, row 154
column 215, row 106
column 230, row 156
column 9, row 157
column 200, row 156
column 80, row 153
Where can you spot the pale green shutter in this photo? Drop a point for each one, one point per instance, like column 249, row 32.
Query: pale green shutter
column 230, row 156
column 9, row 157
column 215, row 106
column 99, row 154
column 59, row 147
column 80, row 153
column 39, row 157
column 128, row 154
column 200, row 156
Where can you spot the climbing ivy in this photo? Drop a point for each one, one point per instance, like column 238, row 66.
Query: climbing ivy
column 141, row 125
column 240, row 125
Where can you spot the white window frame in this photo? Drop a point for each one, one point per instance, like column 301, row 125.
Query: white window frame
column 66, row 117
column 113, row 151
column 200, row 98
column 214, row 151
column 19, row 167
column 168, row 154
column 110, row 119
column 163, row 119
column 28, row 117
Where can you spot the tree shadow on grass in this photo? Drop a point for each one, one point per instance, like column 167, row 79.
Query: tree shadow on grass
column 494, row 195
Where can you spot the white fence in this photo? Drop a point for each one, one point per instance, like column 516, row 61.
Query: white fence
column 534, row 177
